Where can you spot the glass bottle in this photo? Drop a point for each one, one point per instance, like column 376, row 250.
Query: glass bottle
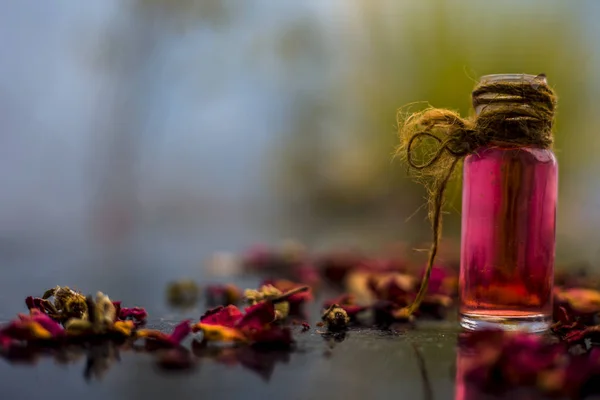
column 508, row 234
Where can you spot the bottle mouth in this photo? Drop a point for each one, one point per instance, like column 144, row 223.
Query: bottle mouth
column 512, row 78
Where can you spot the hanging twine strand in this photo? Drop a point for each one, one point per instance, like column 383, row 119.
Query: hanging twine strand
column 512, row 113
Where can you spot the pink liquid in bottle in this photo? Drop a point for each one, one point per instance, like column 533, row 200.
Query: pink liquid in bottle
column 508, row 238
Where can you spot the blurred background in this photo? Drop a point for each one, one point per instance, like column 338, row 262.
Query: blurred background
column 138, row 137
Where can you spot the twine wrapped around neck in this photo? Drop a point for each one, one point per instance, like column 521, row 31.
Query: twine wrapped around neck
column 511, row 113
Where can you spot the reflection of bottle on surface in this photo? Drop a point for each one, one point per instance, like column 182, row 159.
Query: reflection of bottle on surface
column 475, row 382
column 464, row 388
column 508, row 231
column 461, row 388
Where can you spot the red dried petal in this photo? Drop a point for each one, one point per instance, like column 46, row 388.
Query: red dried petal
column 225, row 316
column 228, row 323
column 180, row 332
column 117, row 305
column 257, row 316
column 156, row 337
column 138, row 314
column 23, row 331
column 219, row 333
column 440, row 280
column 561, row 315
column 45, row 321
column 580, row 334
column 38, row 303
column 5, row 340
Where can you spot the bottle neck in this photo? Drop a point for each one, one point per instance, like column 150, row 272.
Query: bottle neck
column 514, row 108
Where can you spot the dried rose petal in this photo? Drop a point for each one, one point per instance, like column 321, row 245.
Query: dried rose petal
column 566, row 327
column 44, row 321
column 30, row 328
column 227, row 324
column 44, row 306
column 561, row 315
column 257, row 316
column 138, row 314
column 441, row 281
column 218, row 333
column 579, row 335
column 180, row 332
column 19, row 330
column 123, row 328
column 225, row 316
column 117, row 306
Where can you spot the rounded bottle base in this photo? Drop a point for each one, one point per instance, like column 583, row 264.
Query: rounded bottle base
column 529, row 323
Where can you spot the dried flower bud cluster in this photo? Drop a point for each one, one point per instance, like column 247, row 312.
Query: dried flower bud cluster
column 268, row 292
column 336, row 318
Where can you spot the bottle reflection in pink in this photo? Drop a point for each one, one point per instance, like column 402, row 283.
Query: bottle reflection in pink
column 508, row 237
column 462, row 389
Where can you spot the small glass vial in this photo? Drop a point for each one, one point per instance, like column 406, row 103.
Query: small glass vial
column 508, row 234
